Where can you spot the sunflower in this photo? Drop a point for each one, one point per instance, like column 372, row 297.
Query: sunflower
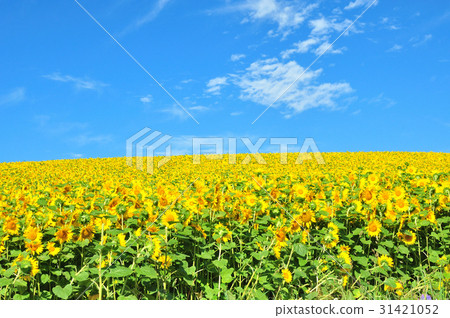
column 34, row 247
column 32, row 234
column 374, row 227
column 398, row 193
column 384, row 196
column 331, row 237
column 222, row 233
column 251, row 200
column 287, row 275
column 277, row 249
column 87, row 233
column 373, row 178
column 368, row 195
column 408, row 239
column 64, row 234
column 299, row 191
column 52, row 250
column 398, row 288
column 102, row 223
column 307, row 217
column 11, row 226
column 385, row 260
column 122, row 240
column 401, row 205
column 169, row 219
column 344, row 280
column 28, row 265
column 156, row 247
column 165, row 261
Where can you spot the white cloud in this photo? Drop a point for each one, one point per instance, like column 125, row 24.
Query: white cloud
column 15, row 96
column 265, row 80
column 186, row 81
column 301, row 47
column 325, row 46
column 323, row 25
column 421, row 41
column 85, row 139
column 286, row 14
column 199, row 108
column 78, row 82
column 146, row 99
column 314, row 45
column 358, row 3
column 395, row 48
column 237, row 57
column 77, row 155
column 148, row 17
column 215, row 85
column 236, row 113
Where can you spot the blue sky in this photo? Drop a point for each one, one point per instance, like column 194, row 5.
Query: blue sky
column 67, row 90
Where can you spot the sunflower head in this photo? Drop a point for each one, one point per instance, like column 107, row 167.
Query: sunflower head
column 287, row 275
column 374, row 227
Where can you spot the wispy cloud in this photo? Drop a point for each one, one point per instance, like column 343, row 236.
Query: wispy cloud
column 323, row 25
column 215, row 85
column 236, row 113
column 86, row 139
column 78, row 82
column 199, row 108
column 237, row 57
column 146, row 99
column 382, row 100
column 395, row 48
column 148, row 17
column 358, row 3
column 265, row 80
column 418, row 41
column 15, row 96
column 285, row 14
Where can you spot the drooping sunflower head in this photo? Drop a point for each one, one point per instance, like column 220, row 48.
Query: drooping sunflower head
column 87, row 233
column 52, row 249
column 64, row 234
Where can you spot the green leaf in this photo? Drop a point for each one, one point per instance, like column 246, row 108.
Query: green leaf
column 82, row 276
column 312, row 295
column 260, row 255
column 119, row 271
column 130, row 297
column 44, row 278
column 390, row 282
column 63, row 293
column 5, row 281
column 222, row 264
column 206, row 254
column 301, row 249
column 382, row 250
column 388, row 244
column 227, row 275
column 403, row 249
column 147, row 271
column 259, row 295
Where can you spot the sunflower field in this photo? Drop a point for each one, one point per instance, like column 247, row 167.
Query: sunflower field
column 361, row 226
